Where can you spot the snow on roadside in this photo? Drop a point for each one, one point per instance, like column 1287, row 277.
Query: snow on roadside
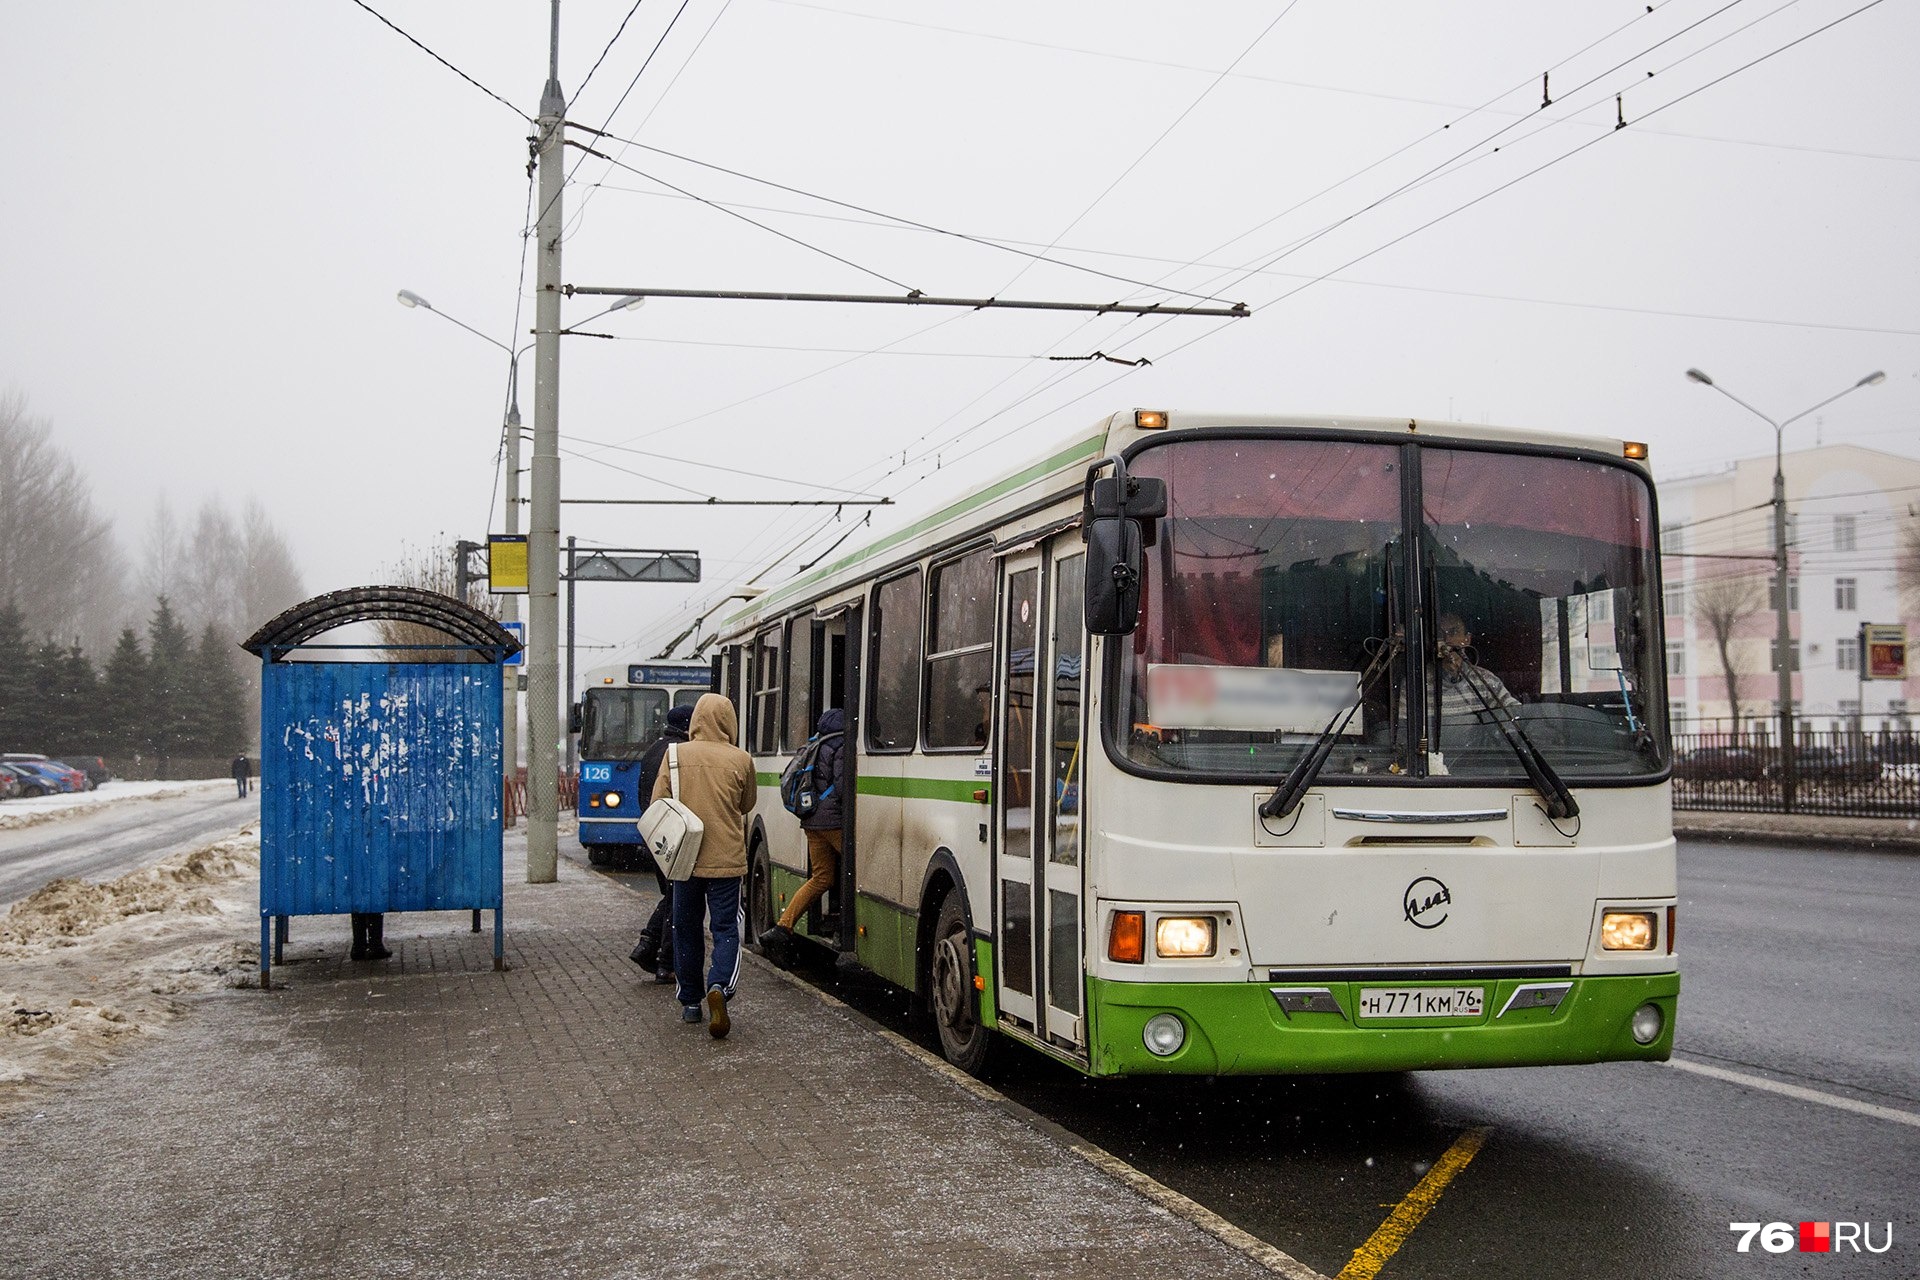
column 32, row 810
column 86, row 969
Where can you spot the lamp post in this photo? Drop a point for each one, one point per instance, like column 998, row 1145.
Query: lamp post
column 510, row 606
column 1783, row 635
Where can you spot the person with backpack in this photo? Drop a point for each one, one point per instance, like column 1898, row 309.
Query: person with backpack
column 812, row 788
column 715, row 779
column 654, row 951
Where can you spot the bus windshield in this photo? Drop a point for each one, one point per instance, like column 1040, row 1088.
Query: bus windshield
column 1281, row 572
column 620, row 724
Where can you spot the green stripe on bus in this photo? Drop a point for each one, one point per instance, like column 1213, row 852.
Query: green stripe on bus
column 956, row 789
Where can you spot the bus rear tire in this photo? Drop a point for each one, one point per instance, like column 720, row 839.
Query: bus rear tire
column 759, row 895
column 956, row 1013
column 597, row 855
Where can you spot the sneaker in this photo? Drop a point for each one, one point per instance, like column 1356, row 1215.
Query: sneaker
column 690, row 1013
column 776, row 944
column 719, row 1024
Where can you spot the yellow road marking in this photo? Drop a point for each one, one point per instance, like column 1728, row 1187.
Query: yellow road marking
column 1408, row 1214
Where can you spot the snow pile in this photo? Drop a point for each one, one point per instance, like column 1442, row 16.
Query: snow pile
column 31, row 811
column 86, row 969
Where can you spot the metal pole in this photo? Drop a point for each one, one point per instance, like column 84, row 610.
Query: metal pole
column 570, row 686
column 510, row 602
column 1783, row 633
column 543, row 534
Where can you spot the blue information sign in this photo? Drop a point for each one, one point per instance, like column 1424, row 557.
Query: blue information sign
column 519, row 630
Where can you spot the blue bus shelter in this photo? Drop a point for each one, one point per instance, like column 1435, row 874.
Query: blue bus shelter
column 380, row 779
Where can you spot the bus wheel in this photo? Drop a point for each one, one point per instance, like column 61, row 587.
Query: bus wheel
column 597, row 855
column 759, row 896
column 955, row 1011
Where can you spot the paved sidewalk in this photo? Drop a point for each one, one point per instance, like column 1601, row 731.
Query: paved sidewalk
column 430, row 1117
column 1885, row 835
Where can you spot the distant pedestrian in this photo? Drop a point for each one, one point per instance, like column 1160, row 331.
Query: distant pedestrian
column 242, row 774
column 822, row 826
column 654, row 952
column 717, row 782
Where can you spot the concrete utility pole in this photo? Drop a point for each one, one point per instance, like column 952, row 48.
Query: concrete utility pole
column 543, row 528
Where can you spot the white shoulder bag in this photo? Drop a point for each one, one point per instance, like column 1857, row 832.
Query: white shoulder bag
column 672, row 831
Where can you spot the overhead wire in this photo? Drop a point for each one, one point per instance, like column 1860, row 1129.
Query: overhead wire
column 611, row 41
column 443, row 62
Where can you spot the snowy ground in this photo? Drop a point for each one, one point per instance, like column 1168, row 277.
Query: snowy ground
column 88, row 969
column 31, row 811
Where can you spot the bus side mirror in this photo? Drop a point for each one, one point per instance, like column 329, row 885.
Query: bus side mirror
column 1113, row 575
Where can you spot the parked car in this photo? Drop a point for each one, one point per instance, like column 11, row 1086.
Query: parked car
column 32, row 781
column 9, row 784
column 85, row 781
column 95, row 767
column 1723, row 764
column 1834, row 764
column 69, row 778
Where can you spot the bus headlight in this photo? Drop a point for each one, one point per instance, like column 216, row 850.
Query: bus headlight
column 1627, row 931
column 1164, row 1034
column 611, row 799
column 1647, row 1021
column 1183, row 936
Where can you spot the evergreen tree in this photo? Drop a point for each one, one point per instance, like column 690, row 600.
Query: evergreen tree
column 16, row 682
column 169, row 683
column 83, row 720
column 124, row 701
column 219, row 698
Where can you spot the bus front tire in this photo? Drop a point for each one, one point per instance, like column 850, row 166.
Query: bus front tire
column 597, row 855
column 956, row 1015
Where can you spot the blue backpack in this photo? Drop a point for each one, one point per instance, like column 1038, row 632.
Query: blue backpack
column 800, row 791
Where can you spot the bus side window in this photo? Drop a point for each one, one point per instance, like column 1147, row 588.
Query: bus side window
column 766, row 693
column 799, row 681
column 893, row 724
column 960, row 651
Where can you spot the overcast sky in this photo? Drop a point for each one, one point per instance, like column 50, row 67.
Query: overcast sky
column 212, row 206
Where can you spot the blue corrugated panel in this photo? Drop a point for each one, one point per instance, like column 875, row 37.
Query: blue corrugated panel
column 379, row 787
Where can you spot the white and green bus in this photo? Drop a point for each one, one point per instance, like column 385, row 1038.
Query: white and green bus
column 1234, row 745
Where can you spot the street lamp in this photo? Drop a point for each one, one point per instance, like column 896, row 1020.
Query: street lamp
column 1783, row 636
column 510, row 606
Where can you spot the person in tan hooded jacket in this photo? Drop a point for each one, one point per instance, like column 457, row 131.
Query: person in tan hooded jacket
column 716, row 781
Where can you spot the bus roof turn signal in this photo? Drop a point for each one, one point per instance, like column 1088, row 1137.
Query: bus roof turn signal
column 1150, row 419
column 1634, row 449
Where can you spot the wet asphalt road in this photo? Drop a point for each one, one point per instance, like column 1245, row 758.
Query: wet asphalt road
column 1800, row 967
column 117, row 838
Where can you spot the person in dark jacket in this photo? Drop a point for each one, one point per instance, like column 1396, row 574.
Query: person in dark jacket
column 654, row 952
column 242, row 774
column 823, row 831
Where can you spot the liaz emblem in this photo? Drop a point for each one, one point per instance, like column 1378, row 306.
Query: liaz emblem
column 1426, row 903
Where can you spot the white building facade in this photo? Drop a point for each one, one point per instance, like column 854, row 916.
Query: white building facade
column 1850, row 512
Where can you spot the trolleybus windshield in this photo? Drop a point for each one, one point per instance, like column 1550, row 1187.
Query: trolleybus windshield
column 1281, row 569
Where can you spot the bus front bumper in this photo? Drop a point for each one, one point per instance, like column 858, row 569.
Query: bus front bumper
column 1242, row 1029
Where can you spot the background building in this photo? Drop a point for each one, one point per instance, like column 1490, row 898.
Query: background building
column 1852, row 514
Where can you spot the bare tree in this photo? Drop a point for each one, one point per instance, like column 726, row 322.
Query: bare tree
column 430, row 569
column 272, row 583
column 1908, row 561
column 59, row 565
column 1723, row 603
column 214, row 574
column 163, row 550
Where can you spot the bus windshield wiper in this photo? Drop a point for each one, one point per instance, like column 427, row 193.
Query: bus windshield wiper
column 1287, row 795
column 1560, row 802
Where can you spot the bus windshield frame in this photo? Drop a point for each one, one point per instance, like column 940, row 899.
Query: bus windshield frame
column 1511, row 586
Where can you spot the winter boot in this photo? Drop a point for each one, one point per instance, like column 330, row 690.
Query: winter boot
column 359, row 951
column 376, row 942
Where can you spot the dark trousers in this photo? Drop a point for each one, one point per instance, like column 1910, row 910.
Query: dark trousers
column 719, row 901
column 659, row 930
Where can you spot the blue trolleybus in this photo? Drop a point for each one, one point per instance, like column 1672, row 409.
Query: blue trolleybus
column 621, row 713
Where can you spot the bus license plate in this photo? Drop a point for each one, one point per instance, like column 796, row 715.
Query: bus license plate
column 1423, row 1002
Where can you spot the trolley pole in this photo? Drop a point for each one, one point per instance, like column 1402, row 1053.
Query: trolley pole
column 543, row 526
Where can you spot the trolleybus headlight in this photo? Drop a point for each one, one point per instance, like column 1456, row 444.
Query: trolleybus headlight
column 1127, row 937
column 1164, row 1034
column 1627, row 931
column 612, row 799
column 1647, row 1022
column 1183, row 936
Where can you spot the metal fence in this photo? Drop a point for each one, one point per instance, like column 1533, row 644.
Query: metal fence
column 1843, row 773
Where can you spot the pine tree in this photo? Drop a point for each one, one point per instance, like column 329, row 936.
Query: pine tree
column 169, row 686
column 65, row 696
column 219, row 698
column 16, row 683
column 123, row 698
column 83, row 720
